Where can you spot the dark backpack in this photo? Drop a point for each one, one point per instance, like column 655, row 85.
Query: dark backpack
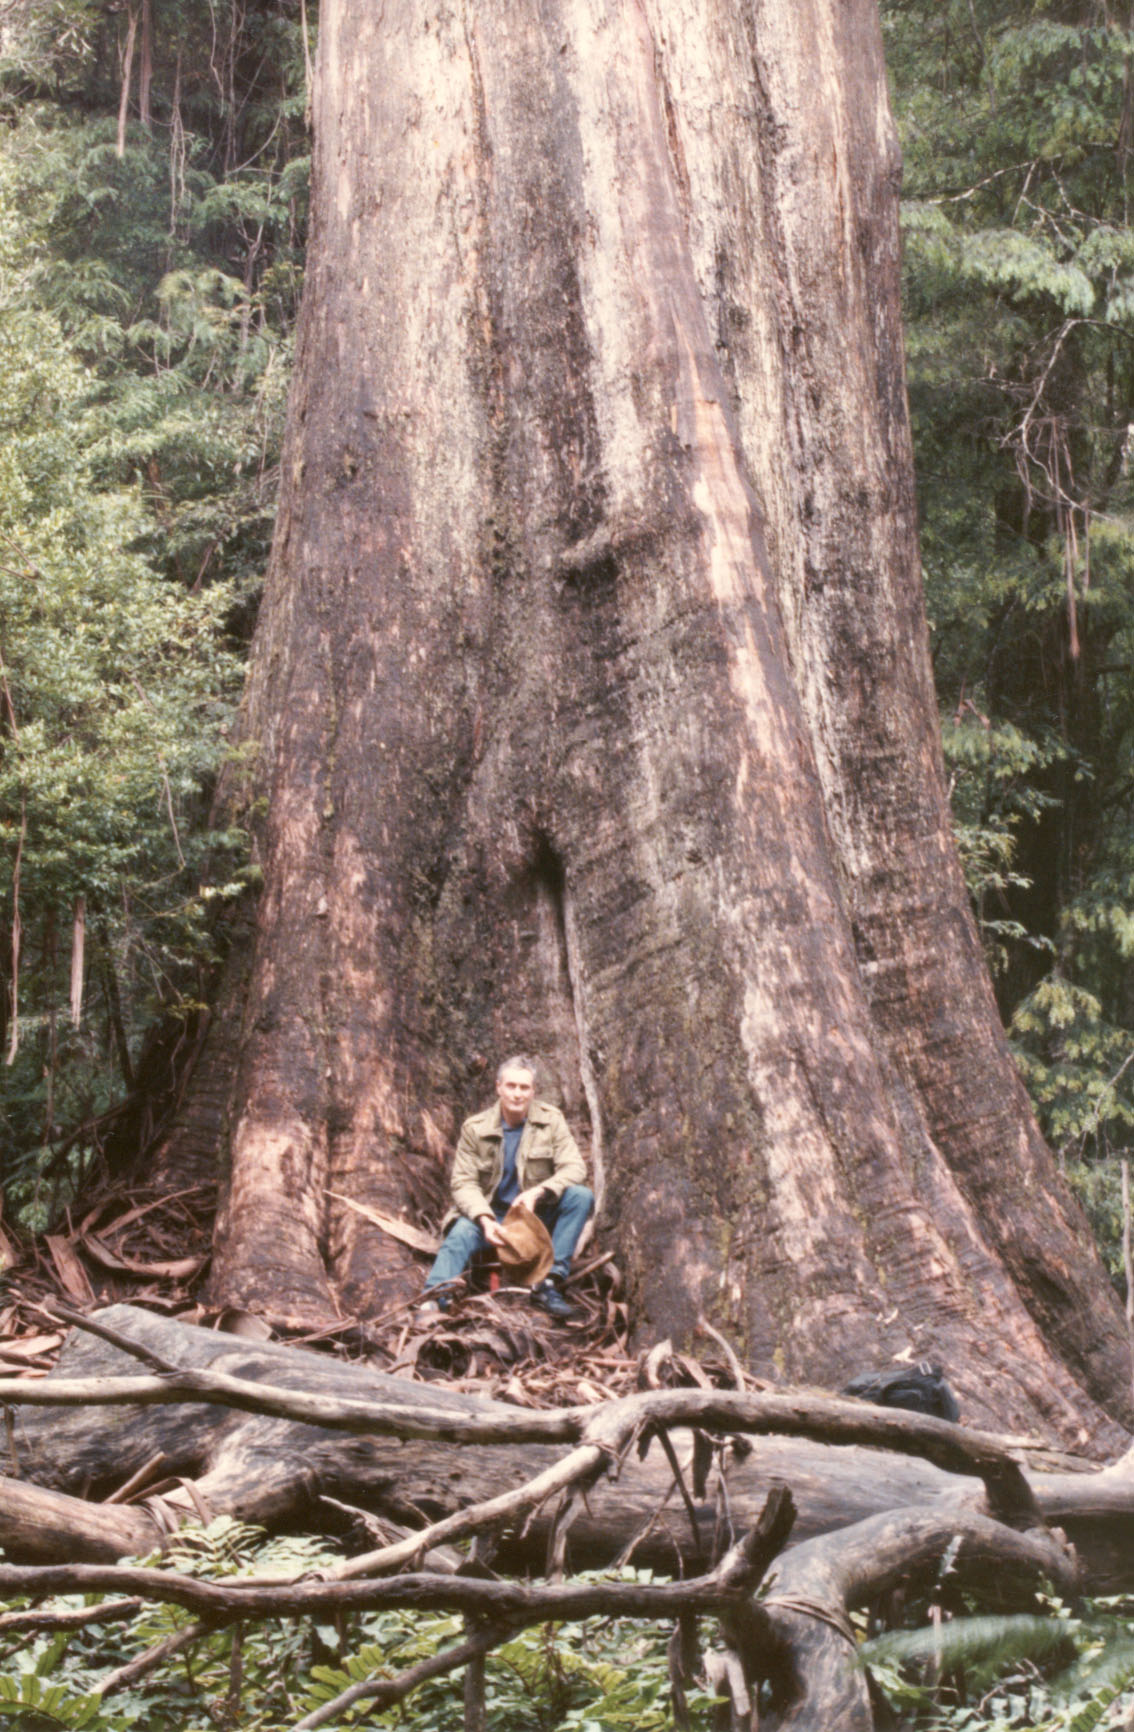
column 916, row 1388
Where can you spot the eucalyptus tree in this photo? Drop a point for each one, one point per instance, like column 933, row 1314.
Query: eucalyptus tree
column 594, row 713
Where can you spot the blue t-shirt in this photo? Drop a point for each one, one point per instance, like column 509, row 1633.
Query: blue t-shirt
column 509, row 1187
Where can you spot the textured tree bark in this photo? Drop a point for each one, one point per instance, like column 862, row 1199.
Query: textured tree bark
column 594, row 712
column 41, row 1526
column 820, row 1680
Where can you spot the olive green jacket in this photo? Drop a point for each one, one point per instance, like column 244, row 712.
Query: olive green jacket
column 547, row 1156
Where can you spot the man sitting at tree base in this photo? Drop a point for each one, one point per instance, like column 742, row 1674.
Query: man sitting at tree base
column 519, row 1150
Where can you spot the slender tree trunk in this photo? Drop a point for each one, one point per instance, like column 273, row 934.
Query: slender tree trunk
column 146, row 67
column 595, row 715
column 127, row 74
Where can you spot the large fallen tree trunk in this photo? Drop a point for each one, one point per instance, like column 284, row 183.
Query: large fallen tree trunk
column 262, row 1467
column 242, row 1419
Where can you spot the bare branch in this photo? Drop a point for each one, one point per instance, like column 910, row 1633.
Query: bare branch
column 74, row 1618
column 222, row 1602
column 608, row 1426
column 143, row 1664
column 579, row 1467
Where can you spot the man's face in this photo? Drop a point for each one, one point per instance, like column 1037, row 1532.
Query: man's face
column 514, row 1091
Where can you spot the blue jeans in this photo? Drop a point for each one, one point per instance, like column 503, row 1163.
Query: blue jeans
column 564, row 1217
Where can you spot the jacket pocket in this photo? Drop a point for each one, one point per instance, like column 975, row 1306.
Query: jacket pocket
column 539, row 1165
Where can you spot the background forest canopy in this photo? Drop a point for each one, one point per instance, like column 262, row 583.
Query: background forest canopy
column 152, row 224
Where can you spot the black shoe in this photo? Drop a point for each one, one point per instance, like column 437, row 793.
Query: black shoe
column 548, row 1297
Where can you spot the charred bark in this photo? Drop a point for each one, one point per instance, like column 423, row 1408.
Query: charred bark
column 595, row 714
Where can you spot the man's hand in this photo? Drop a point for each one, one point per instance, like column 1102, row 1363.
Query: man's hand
column 530, row 1198
column 492, row 1230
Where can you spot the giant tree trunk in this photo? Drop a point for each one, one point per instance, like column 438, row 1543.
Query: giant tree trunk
column 595, row 717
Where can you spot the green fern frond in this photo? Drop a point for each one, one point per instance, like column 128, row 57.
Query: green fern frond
column 990, row 1638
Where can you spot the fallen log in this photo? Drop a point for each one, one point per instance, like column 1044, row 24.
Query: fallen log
column 271, row 1470
column 38, row 1525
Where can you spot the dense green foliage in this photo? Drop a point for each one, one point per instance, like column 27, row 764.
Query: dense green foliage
column 113, row 685
column 1017, row 124
column 1062, row 1671
column 150, row 271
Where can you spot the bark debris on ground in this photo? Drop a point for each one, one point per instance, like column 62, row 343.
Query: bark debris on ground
column 152, row 1248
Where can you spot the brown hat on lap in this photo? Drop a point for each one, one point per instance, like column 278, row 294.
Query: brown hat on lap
column 526, row 1254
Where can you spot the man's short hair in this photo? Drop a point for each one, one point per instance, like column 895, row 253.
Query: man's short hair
column 516, row 1062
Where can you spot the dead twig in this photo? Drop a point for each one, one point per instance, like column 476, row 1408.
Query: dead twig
column 385, row 1692
column 148, row 1662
